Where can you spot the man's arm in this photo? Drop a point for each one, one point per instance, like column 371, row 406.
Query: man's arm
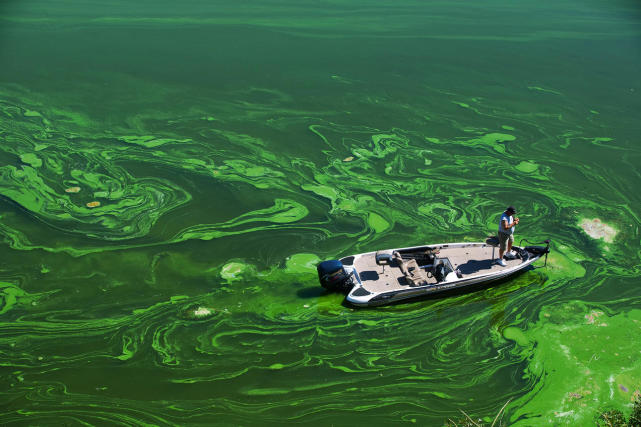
column 507, row 225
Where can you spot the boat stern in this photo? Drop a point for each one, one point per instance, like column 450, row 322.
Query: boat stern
column 359, row 296
column 334, row 276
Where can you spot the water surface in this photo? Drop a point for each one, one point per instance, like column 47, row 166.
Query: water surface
column 232, row 146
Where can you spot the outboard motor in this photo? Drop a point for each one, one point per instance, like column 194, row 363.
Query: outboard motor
column 333, row 277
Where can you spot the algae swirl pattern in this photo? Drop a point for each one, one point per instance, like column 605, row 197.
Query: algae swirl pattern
column 163, row 206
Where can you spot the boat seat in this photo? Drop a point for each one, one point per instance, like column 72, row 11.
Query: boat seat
column 492, row 241
column 384, row 258
column 414, row 275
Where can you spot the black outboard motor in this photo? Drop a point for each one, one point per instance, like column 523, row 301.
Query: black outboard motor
column 333, row 277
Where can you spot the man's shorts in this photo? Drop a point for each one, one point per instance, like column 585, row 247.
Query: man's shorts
column 503, row 238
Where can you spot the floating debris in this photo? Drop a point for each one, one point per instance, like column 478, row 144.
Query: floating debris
column 72, row 190
column 202, row 312
column 232, row 271
column 591, row 318
column 197, row 312
column 597, row 229
column 348, row 159
column 93, row 204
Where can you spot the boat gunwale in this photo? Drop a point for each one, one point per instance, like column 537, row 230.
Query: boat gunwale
column 418, row 291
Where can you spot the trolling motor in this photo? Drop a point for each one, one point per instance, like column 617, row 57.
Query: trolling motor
column 538, row 250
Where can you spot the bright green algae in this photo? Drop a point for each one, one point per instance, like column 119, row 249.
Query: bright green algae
column 598, row 355
column 230, row 150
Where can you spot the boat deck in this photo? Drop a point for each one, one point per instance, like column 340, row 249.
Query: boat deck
column 472, row 260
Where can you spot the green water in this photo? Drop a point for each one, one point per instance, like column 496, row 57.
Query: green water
column 232, row 145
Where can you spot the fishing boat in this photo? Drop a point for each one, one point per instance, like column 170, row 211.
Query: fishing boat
column 392, row 275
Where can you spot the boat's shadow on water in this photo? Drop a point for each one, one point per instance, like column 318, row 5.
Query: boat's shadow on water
column 311, row 292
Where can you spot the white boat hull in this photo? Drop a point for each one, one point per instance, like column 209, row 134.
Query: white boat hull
column 471, row 265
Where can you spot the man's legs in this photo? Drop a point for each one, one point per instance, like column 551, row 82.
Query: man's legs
column 503, row 242
column 510, row 240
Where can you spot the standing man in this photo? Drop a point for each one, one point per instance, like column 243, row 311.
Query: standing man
column 506, row 232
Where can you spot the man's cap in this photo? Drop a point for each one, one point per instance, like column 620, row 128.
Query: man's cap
column 510, row 209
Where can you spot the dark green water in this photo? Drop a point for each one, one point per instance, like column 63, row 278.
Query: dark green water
column 232, row 145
